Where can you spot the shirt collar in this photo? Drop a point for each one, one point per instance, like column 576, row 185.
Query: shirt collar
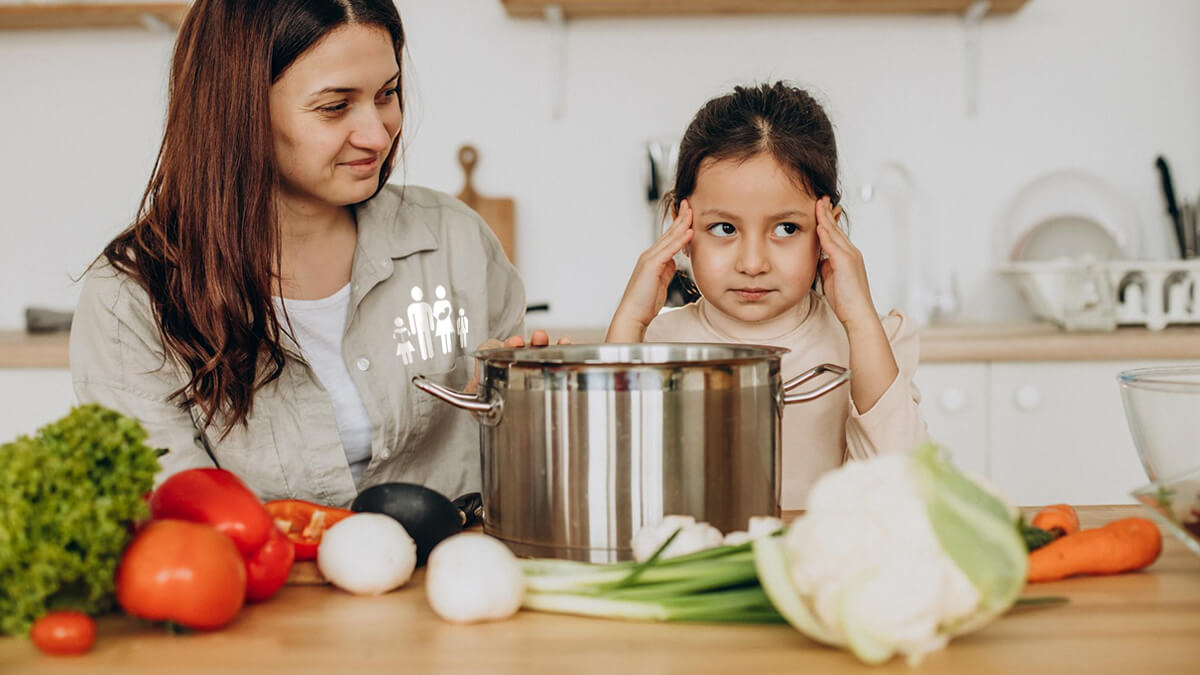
column 388, row 225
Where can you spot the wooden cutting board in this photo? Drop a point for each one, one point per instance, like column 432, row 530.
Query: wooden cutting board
column 497, row 212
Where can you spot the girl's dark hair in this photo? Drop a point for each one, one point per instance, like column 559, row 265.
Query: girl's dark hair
column 205, row 244
column 780, row 119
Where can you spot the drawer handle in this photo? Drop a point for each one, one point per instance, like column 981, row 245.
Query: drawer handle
column 1028, row 398
column 954, row 400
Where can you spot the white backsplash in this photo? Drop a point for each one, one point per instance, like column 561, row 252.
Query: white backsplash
column 1104, row 85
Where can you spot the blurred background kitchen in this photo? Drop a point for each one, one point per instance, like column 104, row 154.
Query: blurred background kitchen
column 973, row 141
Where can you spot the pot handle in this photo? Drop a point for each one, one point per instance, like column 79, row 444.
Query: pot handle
column 458, row 399
column 843, row 376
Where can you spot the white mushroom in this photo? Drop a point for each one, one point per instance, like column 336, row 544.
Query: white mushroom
column 472, row 577
column 367, row 554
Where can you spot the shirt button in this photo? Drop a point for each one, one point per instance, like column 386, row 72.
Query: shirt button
column 355, row 287
column 363, row 363
column 386, row 454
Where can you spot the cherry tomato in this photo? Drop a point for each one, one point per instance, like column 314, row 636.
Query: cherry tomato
column 64, row 633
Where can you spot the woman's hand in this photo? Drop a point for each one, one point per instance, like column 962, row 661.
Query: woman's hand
column 540, row 338
column 843, row 275
column 646, row 292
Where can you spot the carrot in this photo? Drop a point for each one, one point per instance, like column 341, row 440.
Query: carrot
column 1057, row 519
column 1120, row 546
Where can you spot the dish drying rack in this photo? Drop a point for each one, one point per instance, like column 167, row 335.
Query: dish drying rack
column 1084, row 295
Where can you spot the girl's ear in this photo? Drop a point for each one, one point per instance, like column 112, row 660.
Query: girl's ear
column 837, row 213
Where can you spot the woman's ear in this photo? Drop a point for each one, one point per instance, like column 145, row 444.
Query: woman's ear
column 837, row 213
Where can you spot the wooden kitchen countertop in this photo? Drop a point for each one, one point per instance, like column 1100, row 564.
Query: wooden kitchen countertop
column 939, row 343
column 1147, row 622
column 1047, row 342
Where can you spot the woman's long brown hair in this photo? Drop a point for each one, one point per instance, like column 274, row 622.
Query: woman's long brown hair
column 205, row 244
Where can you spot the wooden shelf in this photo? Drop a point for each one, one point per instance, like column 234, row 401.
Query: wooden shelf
column 91, row 15
column 614, row 8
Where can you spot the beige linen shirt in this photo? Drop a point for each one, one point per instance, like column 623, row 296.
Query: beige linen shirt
column 821, row 434
column 412, row 242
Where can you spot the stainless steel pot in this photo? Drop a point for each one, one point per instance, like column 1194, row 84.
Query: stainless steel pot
column 582, row 445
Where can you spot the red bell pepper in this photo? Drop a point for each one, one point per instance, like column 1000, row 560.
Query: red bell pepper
column 215, row 497
column 268, row 569
column 304, row 523
column 219, row 498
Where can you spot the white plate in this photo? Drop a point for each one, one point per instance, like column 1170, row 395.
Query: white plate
column 1069, row 214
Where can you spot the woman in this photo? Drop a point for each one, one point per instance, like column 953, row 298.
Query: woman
column 247, row 317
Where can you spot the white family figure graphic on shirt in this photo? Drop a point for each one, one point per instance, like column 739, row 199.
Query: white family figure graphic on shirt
column 445, row 320
column 404, row 348
column 425, row 321
column 420, row 318
column 461, row 326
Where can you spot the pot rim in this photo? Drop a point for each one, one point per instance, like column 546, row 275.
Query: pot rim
column 632, row 354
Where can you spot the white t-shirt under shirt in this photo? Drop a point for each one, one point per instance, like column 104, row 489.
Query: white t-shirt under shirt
column 319, row 326
column 821, row 434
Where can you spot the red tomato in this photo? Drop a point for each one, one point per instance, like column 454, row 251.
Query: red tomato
column 64, row 633
column 269, row 567
column 188, row 573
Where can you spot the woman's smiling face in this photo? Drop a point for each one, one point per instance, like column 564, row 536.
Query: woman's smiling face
column 335, row 113
column 755, row 249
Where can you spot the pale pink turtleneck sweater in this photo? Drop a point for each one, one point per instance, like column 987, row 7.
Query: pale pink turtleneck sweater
column 822, row 434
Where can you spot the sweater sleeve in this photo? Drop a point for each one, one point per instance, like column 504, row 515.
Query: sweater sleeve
column 894, row 424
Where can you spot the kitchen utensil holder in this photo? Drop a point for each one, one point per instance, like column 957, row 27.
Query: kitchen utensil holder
column 1150, row 293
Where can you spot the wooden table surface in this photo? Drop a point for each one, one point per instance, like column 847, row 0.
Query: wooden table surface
column 1147, row 622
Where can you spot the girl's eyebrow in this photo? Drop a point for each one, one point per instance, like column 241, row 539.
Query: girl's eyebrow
column 791, row 213
column 788, row 214
column 718, row 213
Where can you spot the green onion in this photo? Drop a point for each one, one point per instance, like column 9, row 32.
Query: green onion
column 714, row 585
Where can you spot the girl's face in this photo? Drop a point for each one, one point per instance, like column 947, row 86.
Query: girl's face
column 335, row 113
column 754, row 252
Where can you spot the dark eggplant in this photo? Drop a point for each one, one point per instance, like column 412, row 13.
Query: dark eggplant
column 427, row 515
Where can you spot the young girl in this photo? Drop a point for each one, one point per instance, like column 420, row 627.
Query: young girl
column 756, row 210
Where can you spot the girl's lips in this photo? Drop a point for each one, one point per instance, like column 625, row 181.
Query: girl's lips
column 751, row 293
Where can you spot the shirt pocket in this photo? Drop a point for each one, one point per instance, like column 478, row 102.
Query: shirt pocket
column 250, row 452
column 428, row 411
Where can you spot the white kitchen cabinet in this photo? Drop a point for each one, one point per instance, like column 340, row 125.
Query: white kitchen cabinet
column 32, row 397
column 1058, row 433
column 954, row 402
column 1040, row 431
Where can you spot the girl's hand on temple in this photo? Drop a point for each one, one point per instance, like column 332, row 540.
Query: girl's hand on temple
column 844, row 278
column 540, row 338
column 646, row 292
column 843, row 274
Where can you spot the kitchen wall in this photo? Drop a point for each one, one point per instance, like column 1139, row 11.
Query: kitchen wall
column 1103, row 85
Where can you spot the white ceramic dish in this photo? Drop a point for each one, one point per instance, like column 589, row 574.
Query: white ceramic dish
column 1070, row 214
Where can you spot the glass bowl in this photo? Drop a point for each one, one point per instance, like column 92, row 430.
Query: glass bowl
column 1175, row 503
column 1162, row 409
